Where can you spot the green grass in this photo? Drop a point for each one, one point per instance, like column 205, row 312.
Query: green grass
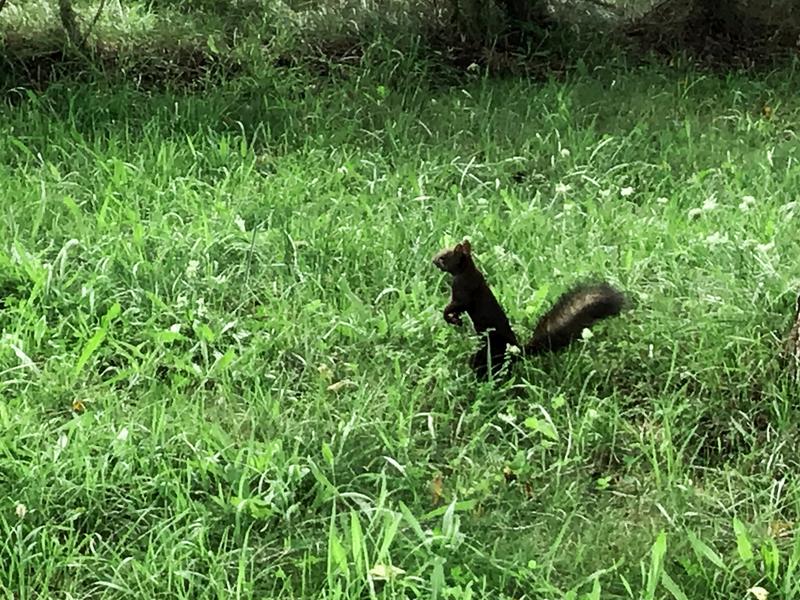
column 185, row 276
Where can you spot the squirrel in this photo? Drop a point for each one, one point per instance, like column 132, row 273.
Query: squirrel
column 574, row 311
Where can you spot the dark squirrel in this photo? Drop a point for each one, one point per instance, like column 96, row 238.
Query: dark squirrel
column 573, row 312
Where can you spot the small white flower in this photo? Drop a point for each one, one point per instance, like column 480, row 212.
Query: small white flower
column 122, row 436
column 586, row 334
column 565, row 153
column 746, row 203
column 342, row 170
column 765, row 247
column 661, row 200
column 240, row 223
column 473, row 67
column 176, row 328
column 21, row 510
column 626, row 191
column 716, row 238
column 241, row 335
column 191, row 268
column 710, row 203
column 561, row 188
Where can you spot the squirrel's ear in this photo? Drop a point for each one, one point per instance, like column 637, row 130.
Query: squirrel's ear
column 466, row 247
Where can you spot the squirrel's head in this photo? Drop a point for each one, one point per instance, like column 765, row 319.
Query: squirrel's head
column 452, row 260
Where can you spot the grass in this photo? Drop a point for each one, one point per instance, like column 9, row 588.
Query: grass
column 224, row 371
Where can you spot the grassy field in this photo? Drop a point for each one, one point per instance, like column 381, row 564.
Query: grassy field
column 224, row 371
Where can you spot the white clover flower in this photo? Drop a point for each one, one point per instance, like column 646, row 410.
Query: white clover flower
column 565, row 153
column 626, row 191
column 710, row 203
column 201, row 307
column 192, row 268
column 661, row 200
column 716, row 238
column 561, row 188
column 765, row 247
column 746, row 203
column 21, row 510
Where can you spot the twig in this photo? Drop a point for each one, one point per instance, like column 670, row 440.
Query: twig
column 93, row 23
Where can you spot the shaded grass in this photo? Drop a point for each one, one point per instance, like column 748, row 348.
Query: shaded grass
column 241, row 250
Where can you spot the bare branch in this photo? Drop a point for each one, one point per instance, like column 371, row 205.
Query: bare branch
column 93, row 23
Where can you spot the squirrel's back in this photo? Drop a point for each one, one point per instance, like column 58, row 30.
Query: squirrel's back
column 573, row 312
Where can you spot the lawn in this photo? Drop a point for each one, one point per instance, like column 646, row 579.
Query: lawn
column 224, row 370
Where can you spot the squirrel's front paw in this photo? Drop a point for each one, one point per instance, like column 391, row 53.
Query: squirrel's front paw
column 453, row 318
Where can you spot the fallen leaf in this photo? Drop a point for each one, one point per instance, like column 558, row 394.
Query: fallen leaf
column 335, row 387
column 759, row 592
column 780, row 529
column 384, row 572
column 528, row 490
column 437, row 489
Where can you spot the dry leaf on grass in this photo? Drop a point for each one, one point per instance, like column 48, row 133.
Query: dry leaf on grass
column 759, row 592
column 335, row 387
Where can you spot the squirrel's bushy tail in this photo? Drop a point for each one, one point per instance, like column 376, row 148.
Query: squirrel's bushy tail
column 573, row 312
